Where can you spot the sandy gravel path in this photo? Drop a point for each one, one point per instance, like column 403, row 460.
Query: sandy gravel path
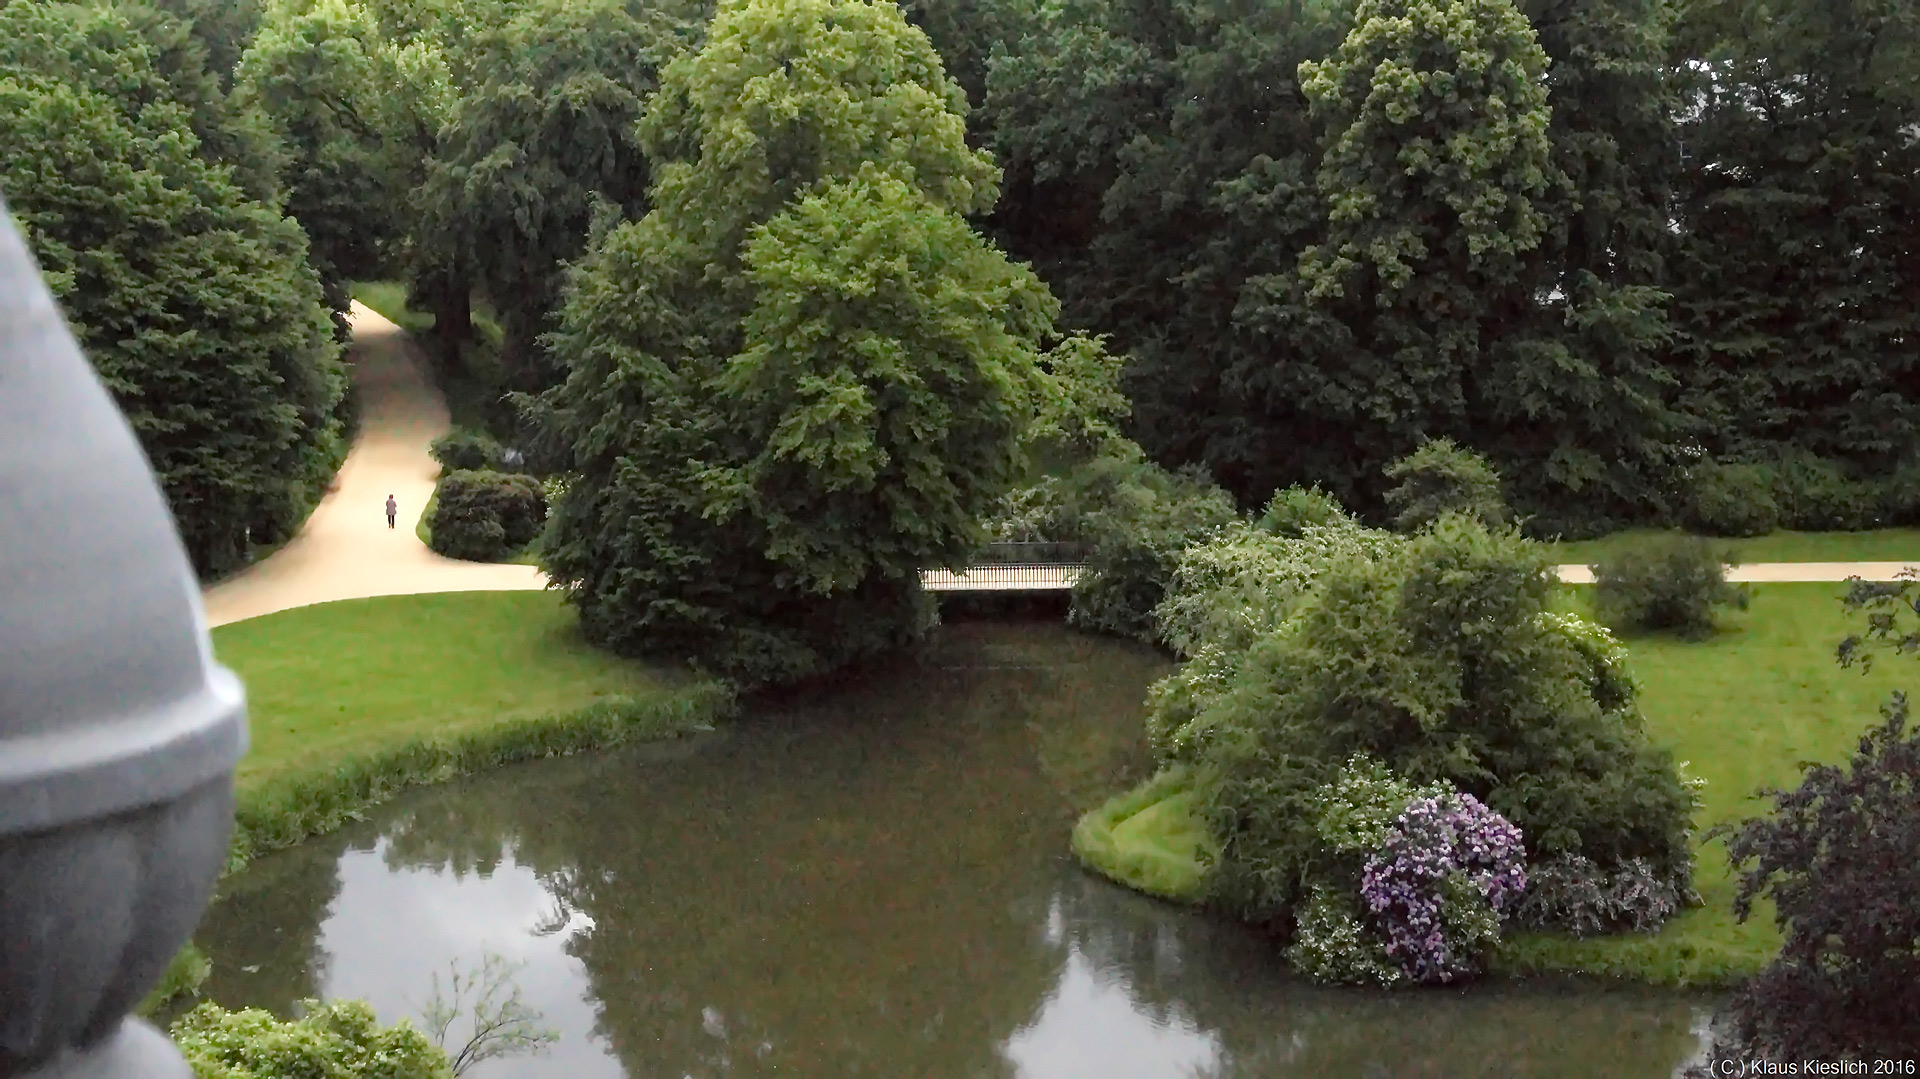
column 1783, row 571
column 345, row 550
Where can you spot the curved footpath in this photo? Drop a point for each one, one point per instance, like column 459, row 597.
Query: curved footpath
column 345, row 550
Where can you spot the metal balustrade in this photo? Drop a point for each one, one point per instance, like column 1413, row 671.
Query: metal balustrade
column 1029, row 577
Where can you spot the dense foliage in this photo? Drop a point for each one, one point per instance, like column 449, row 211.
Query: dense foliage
column 801, row 378
column 194, row 301
column 1649, row 243
column 485, row 516
column 334, row 1041
column 1671, row 583
column 1438, row 655
column 1839, row 856
column 543, row 131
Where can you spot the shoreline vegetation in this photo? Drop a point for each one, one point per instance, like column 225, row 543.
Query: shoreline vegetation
column 347, row 708
column 1743, row 708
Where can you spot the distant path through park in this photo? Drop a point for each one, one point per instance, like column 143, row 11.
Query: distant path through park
column 345, row 550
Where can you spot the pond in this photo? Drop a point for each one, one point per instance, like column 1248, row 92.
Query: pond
column 871, row 880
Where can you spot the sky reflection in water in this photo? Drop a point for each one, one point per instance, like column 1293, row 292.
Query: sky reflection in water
column 872, row 883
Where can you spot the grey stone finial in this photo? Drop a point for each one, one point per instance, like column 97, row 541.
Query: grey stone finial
column 118, row 732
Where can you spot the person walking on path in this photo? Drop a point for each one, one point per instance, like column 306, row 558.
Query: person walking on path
column 393, row 510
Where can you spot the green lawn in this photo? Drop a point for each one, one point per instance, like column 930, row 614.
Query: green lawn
column 346, row 678
column 1880, row 545
column 1743, row 709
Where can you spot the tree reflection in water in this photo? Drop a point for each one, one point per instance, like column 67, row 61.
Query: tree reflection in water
column 866, row 881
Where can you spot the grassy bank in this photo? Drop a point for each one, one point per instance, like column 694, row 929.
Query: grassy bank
column 1743, row 709
column 1879, row 545
column 350, row 703
column 1149, row 839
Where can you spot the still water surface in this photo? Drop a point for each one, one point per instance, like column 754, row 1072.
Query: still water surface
column 869, row 881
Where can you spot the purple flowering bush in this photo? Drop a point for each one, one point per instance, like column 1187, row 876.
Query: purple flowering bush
column 1407, row 884
column 1448, row 873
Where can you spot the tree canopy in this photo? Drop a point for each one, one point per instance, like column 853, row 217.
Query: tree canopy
column 800, row 378
column 195, row 303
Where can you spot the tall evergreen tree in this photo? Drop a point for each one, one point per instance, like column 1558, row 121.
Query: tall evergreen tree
column 194, row 303
column 1800, row 268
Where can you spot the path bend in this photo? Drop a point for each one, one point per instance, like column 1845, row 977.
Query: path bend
column 345, row 549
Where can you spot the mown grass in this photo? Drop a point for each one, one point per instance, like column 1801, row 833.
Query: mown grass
column 337, row 678
column 1879, row 545
column 1149, row 839
column 1742, row 708
column 352, row 702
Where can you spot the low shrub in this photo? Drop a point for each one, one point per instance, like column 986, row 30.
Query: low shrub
column 460, row 450
column 1292, row 509
column 1574, row 895
column 1674, row 583
column 1404, row 883
column 1441, row 478
column 1730, row 499
column 343, row 1040
column 1817, row 495
column 1449, row 870
column 486, row 516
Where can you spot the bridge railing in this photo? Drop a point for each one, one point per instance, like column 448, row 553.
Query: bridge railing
column 1034, row 554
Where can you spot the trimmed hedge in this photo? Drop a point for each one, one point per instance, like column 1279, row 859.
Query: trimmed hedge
column 484, row 516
